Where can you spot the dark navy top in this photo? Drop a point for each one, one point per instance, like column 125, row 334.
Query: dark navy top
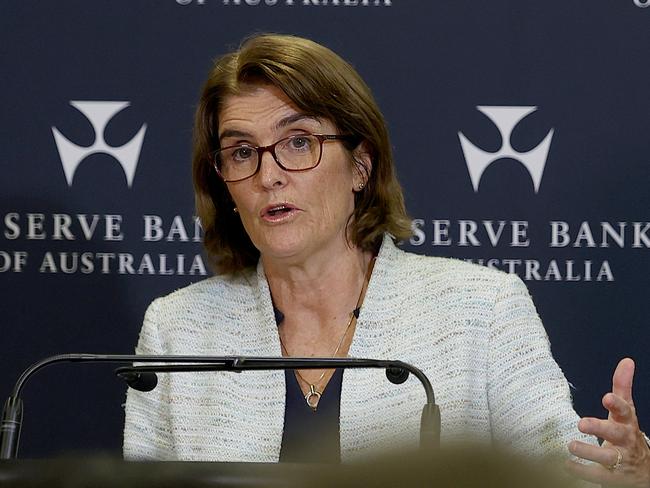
column 311, row 436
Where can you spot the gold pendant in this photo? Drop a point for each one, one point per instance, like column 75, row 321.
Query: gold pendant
column 313, row 397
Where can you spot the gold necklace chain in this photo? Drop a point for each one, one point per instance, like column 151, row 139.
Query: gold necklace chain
column 314, row 394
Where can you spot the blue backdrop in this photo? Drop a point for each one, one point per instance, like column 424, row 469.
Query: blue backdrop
column 521, row 137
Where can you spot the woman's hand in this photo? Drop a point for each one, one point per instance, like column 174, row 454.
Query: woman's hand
column 624, row 457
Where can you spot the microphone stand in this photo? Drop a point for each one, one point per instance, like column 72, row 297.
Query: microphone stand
column 396, row 371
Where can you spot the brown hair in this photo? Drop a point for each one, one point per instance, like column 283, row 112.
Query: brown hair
column 321, row 84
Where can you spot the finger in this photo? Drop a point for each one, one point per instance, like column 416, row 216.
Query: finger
column 594, row 473
column 605, row 429
column 607, row 456
column 619, row 409
column 622, row 380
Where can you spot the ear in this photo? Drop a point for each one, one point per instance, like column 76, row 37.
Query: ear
column 362, row 158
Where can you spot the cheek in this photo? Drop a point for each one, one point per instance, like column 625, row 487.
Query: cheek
column 330, row 212
column 238, row 193
column 336, row 199
column 245, row 208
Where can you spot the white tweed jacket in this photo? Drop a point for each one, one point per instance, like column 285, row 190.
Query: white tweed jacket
column 474, row 331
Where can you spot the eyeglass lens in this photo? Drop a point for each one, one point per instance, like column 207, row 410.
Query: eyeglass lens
column 294, row 153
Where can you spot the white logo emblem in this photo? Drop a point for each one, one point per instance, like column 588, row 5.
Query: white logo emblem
column 642, row 3
column 506, row 119
column 99, row 114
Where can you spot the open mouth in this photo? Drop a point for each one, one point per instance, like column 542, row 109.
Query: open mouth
column 279, row 211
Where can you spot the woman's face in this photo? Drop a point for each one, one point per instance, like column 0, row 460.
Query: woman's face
column 316, row 203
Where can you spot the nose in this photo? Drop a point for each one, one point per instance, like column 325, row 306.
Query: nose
column 271, row 175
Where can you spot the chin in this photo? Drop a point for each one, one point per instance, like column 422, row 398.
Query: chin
column 282, row 246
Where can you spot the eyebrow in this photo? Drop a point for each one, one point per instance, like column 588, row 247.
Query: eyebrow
column 281, row 124
column 295, row 118
column 233, row 133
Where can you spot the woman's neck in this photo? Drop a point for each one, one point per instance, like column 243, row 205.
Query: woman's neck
column 323, row 285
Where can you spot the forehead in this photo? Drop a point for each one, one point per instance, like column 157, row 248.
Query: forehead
column 263, row 108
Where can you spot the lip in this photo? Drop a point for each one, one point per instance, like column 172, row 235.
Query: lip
column 280, row 217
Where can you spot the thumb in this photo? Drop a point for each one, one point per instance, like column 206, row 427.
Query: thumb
column 622, row 380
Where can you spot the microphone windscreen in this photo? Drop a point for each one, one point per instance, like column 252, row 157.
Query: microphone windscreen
column 397, row 376
column 145, row 381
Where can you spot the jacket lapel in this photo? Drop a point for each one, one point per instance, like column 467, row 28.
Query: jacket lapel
column 373, row 411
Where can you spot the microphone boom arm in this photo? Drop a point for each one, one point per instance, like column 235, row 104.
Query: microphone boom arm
column 12, row 413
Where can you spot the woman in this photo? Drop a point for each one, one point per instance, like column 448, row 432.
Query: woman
column 296, row 190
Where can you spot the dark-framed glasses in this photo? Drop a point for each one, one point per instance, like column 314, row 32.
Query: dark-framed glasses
column 299, row 152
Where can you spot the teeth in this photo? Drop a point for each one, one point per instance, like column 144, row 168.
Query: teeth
column 281, row 208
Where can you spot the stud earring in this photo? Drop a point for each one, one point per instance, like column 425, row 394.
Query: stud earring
column 235, row 210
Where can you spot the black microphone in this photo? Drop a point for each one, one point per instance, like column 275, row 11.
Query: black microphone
column 143, row 378
column 143, row 381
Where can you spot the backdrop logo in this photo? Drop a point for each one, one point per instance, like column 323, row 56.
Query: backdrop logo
column 99, row 115
column 642, row 3
column 506, row 119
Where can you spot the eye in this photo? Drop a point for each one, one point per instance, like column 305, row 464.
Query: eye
column 301, row 143
column 242, row 153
